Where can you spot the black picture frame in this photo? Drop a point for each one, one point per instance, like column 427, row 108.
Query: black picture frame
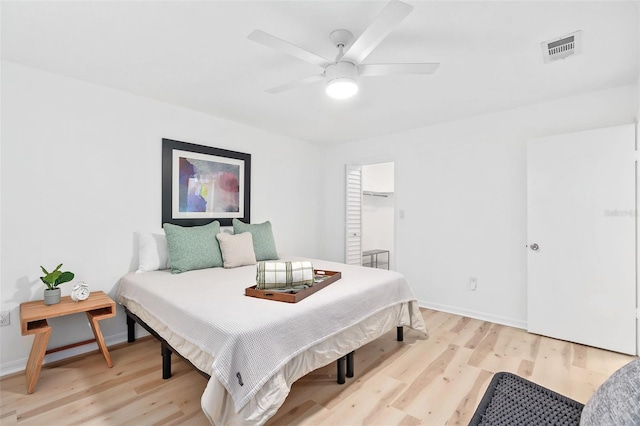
column 175, row 197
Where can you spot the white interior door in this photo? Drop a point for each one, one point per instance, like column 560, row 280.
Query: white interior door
column 581, row 237
column 353, row 221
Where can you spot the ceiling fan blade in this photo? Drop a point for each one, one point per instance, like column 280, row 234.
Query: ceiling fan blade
column 288, row 48
column 296, row 83
column 385, row 22
column 369, row 70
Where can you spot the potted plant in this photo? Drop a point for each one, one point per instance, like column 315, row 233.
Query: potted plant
column 52, row 280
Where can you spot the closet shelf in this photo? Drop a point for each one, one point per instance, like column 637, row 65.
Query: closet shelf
column 377, row 194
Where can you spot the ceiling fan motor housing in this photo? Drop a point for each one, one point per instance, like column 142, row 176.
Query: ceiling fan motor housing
column 343, row 69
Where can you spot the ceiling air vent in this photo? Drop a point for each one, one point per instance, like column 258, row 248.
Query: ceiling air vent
column 560, row 48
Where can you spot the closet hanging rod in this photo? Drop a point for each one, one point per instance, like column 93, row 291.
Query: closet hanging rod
column 377, row 194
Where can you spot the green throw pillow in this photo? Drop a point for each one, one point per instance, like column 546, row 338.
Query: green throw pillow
column 193, row 247
column 263, row 243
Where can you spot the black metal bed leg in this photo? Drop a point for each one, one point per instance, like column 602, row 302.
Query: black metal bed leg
column 400, row 334
column 350, row 363
column 341, row 373
column 166, row 361
column 131, row 330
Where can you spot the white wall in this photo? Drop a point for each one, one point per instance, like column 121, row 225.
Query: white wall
column 378, row 177
column 638, row 219
column 462, row 186
column 81, row 173
column 638, row 211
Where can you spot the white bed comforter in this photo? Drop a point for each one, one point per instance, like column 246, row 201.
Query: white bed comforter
column 251, row 339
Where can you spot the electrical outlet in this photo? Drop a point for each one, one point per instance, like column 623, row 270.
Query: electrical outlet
column 473, row 283
column 5, row 318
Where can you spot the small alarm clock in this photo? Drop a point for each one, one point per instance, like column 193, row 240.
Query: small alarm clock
column 80, row 292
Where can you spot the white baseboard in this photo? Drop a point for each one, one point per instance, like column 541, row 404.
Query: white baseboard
column 20, row 364
column 474, row 314
column 12, row 367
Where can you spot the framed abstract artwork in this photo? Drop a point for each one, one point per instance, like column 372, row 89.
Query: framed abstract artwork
column 201, row 184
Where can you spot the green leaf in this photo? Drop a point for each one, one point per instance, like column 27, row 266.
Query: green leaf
column 51, row 277
column 44, row 271
column 49, row 286
column 64, row 277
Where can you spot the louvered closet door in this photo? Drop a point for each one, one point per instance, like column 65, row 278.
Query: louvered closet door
column 353, row 249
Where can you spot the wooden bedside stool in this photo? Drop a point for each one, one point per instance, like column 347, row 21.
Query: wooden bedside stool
column 33, row 320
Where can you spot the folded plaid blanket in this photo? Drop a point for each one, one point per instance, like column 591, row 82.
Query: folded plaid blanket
column 271, row 275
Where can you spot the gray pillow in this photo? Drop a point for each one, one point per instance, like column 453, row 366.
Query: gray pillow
column 617, row 401
column 264, row 245
column 237, row 249
column 193, row 247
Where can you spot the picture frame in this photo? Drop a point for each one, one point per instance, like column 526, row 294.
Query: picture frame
column 201, row 184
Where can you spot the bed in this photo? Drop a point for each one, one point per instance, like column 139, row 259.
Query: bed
column 254, row 349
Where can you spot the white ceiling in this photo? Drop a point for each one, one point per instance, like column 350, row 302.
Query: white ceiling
column 196, row 54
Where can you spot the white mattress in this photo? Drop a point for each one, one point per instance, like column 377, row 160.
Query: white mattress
column 205, row 316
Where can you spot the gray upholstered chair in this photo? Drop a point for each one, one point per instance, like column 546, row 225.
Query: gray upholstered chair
column 512, row 400
column 617, row 400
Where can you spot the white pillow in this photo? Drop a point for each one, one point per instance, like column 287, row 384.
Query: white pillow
column 153, row 252
column 237, row 250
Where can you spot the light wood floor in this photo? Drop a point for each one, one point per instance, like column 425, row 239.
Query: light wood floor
column 433, row 381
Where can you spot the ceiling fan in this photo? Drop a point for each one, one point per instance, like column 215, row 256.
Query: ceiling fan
column 341, row 75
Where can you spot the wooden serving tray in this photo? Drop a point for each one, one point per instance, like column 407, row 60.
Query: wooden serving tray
column 332, row 277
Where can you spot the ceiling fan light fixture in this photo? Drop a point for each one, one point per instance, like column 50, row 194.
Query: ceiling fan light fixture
column 342, row 80
column 342, row 88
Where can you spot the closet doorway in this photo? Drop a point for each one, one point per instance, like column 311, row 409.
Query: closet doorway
column 370, row 218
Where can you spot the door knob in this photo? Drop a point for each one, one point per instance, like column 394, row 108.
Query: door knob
column 534, row 247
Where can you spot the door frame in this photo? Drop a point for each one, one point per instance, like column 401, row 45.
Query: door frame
column 394, row 258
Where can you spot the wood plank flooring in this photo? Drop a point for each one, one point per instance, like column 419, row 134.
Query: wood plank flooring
column 435, row 381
